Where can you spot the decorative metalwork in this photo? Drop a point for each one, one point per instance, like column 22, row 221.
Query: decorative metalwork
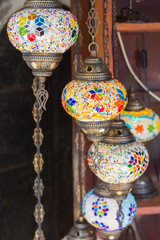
column 35, row 162
column 95, row 130
column 93, row 21
column 110, row 235
column 106, row 32
column 81, row 230
column 39, row 235
column 36, row 213
column 120, row 215
column 41, row 136
column 96, row 156
column 38, row 161
column 42, row 97
column 38, row 187
column 115, row 46
column 34, row 112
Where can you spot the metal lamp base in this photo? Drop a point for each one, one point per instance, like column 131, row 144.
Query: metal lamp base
column 119, row 191
column 95, row 130
column 144, row 188
column 110, row 235
column 42, row 64
column 81, row 230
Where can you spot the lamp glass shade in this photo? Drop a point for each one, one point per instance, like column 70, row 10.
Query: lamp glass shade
column 118, row 163
column 42, row 30
column 144, row 124
column 101, row 212
column 94, row 101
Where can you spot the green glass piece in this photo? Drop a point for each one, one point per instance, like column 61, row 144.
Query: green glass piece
column 22, row 31
column 96, row 89
column 70, row 109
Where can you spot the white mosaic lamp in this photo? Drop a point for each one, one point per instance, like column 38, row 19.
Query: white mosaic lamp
column 100, row 210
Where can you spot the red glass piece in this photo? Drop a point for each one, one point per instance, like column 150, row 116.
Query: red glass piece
column 31, row 37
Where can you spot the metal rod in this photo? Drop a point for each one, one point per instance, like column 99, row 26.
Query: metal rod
column 130, row 4
column 38, row 174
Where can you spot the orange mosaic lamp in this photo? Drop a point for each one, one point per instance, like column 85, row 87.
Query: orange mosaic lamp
column 94, row 99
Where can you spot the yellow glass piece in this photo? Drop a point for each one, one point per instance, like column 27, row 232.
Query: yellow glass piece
column 158, row 125
column 22, row 21
column 73, row 23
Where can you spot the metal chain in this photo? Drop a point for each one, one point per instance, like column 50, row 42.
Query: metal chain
column 78, row 128
column 38, row 164
column 120, row 215
column 105, row 33
column 114, row 39
column 93, row 25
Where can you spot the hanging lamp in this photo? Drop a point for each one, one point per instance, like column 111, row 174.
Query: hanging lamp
column 42, row 31
column 81, row 231
column 100, row 210
column 144, row 123
column 94, row 99
column 118, row 160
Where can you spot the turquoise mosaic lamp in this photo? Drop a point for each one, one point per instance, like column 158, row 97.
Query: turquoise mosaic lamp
column 143, row 122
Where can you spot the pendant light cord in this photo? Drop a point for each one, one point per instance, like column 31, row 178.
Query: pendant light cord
column 131, row 69
column 38, row 174
column 144, row 63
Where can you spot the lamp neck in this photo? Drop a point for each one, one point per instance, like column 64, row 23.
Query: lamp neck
column 42, row 4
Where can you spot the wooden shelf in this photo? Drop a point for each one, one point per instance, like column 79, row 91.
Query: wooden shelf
column 138, row 27
column 151, row 206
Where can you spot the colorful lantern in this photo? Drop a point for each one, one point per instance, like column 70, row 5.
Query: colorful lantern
column 100, row 210
column 94, row 97
column 143, row 122
column 119, row 159
column 42, row 31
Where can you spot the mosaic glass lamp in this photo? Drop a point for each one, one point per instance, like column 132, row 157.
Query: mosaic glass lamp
column 145, row 126
column 94, row 99
column 42, row 31
column 143, row 122
column 100, row 210
column 118, row 160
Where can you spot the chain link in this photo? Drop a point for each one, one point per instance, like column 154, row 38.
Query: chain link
column 93, row 22
column 38, row 164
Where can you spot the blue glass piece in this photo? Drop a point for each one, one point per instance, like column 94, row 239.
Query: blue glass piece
column 92, row 91
column 71, row 101
column 136, row 119
column 97, row 109
column 99, row 90
column 39, row 21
